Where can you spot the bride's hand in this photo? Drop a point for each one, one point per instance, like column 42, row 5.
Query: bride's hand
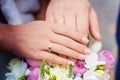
column 75, row 14
column 33, row 40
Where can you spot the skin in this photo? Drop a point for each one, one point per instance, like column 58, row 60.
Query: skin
column 68, row 38
column 31, row 41
column 78, row 15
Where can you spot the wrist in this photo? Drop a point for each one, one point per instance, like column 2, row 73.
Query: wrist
column 5, row 36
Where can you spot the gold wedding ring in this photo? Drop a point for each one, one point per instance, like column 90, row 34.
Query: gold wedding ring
column 50, row 48
column 59, row 21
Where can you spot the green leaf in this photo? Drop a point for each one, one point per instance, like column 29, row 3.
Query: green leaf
column 70, row 71
column 100, row 67
column 42, row 68
column 90, row 40
column 53, row 77
column 47, row 70
column 100, row 72
column 23, row 78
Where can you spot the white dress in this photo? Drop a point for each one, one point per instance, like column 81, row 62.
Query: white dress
column 19, row 11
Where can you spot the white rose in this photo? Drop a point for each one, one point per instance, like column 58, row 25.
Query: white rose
column 18, row 70
column 96, row 47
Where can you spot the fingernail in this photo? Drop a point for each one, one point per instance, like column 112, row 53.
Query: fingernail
column 70, row 62
column 87, row 51
column 98, row 35
column 82, row 57
column 85, row 40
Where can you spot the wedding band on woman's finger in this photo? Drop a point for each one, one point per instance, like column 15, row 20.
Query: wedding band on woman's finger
column 50, row 48
column 60, row 21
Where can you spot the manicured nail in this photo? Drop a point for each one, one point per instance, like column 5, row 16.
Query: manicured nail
column 82, row 57
column 85, row 40
column 98, row 35
column 70, row 62
column 87, row 51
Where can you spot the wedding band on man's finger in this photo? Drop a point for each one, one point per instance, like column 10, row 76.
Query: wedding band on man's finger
column 50, row 48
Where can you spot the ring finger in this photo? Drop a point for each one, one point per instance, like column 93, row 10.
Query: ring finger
column 60, row 49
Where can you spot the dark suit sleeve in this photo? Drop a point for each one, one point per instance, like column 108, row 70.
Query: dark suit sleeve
column 2, row 18
column 117, row 72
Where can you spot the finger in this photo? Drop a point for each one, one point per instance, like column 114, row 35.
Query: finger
column 49, row 16
column 70, row 43
column 94, row 25
column 54, row 58
column 70, row 33
column 72, row 59
column 70, row 20
column 60, row 49
column 63, row 56
column 83, row 21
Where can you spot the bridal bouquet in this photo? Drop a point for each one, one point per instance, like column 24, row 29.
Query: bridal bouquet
column 96, row 66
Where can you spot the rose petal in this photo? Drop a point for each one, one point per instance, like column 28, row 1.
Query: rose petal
column 79, row 68
column 34, row 74
column 33, row 63
column 106, row 55
column 96, row 47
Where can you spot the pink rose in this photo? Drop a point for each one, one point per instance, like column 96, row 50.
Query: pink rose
column 34, row 73
column 106, row 55
column 33, row 63
column 79, row 68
